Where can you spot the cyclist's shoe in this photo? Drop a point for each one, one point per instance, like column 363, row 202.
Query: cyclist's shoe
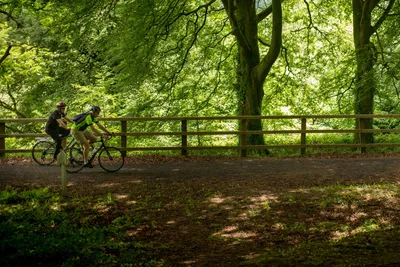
column 88, row 165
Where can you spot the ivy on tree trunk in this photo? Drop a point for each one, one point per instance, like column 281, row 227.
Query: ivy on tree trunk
column 252, row 68
column 366, row 54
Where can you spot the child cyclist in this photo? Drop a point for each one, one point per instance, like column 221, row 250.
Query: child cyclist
column 83, row 136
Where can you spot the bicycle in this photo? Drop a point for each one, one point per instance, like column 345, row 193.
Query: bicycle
column 44, row 148
column 110, row 158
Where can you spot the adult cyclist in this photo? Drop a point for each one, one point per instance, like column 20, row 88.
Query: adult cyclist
column 56, row 127
column 83, row 136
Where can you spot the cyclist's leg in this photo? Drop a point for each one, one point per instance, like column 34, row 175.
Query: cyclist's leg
column 57, row 140
column 64, row 134
column 80, row 138
column 90, row 136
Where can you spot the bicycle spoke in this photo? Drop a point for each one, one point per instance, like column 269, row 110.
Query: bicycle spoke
column 110, row 159
column 43, row 152
column 75, row 158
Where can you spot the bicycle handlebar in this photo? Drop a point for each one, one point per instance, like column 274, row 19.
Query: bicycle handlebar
column 109, row 136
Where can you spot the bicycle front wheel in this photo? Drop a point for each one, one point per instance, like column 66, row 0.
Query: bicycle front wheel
column 111, row 159
column 43, row 152
column 75, row 159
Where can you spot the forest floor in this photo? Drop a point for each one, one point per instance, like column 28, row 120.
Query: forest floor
column 328, row 210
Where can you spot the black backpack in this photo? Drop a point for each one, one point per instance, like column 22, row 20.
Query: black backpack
column 80, row 117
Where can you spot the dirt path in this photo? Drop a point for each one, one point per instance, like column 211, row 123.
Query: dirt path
column 285, row 172
column 204, row 202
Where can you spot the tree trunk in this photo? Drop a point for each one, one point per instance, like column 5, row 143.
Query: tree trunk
column 252, row 70
column 365, row 87
column 249, row 58
column 366, row 54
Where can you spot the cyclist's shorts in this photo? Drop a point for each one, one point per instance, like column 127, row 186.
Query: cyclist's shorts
column 81, row 136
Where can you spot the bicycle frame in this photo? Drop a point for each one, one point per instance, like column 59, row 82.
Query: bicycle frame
column 110, row 158
column 70, row 144
column 41, row 154
column 49, row 139
column 102, row 146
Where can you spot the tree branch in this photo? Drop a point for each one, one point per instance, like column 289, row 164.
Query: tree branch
column 276, row 42
column 200, row 7
column 384, row 16
column 265, row 13
column 13, row 106
column 230, row 11
column 10, row 17
column 6, row 54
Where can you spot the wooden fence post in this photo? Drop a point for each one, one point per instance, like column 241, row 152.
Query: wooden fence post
column 361, row 126
column 123, row 137
column 2, row 138
column 303, row 136
column 184, row 137
column 243, row 137
column 62, row 160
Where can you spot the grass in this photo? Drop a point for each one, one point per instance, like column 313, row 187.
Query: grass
column 39, row 228
column 270, row 139
column 350, row 226
column 335, row 225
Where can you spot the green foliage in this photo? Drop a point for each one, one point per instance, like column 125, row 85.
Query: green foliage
column 38, row 228
column 173, row 58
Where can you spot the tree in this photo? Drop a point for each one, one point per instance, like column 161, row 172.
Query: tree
column 368, row 16
column 253, row 68
column 21, row 63
column 170, row 33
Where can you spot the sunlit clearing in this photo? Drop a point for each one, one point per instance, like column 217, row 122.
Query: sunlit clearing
column 135, row 232
column 104, row 210
column 240, row 235
column 229, row 229
column 264, row 198
column 233, row 232
column 219, row 200
column 55, row 207
column 105, row 185
column 135, row 182
column 345, row 207
column 279, row 226
column 357, row 216
column 118, row 196
column 337, row 235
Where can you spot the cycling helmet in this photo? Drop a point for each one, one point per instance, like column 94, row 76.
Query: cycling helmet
column 95, row 109
column 61, row 105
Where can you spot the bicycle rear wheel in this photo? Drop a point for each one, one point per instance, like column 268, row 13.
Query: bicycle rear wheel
column 43, row 152
column 111, row 159
column 74, row 158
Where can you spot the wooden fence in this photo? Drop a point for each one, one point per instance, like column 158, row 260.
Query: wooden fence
column 243, row 147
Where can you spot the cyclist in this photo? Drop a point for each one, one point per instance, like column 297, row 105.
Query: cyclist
column 56, row 126
column 85, row 137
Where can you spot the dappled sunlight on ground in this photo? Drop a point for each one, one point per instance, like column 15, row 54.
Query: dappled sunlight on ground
column 223, row 213
column 120, row 197
column 103, row 185
column 233, row 232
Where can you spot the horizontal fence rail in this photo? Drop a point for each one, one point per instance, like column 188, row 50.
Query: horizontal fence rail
column 241, row 132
